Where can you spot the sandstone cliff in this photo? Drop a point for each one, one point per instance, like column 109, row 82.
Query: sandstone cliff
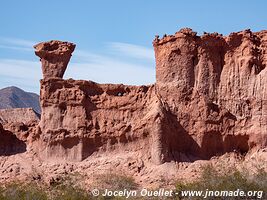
column 9, row 143
column 215, row 87
column 209, row 98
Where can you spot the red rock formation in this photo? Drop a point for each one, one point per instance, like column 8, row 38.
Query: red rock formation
column 9, row 143
column 215, row 87
column 83, row 117
column 209, row 98
column 55, row 56
column 24, row 115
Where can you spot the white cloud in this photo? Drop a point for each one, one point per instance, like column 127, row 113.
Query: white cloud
column 17, row 42
column 15, row 48
column 102, row 68
column 85, row 56
column 22, row 73
column 20, row 68
column 108, row 69
column 132, row 50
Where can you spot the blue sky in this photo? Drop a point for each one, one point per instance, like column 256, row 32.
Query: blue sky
column 114, row 38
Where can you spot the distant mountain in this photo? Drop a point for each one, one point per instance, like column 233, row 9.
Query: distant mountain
column 13, row 97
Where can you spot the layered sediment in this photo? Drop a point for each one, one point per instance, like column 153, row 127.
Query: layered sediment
column 210, row 97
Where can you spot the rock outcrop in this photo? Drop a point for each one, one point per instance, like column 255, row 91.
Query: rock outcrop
column 210, row 97
column 55, row 56
column 215, row 88
column 18, row 115
column 80, row 118
column 9, row 143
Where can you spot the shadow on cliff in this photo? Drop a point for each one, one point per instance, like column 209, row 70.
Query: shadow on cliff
column 10, row 144
column 182, row 147
column 215, row 144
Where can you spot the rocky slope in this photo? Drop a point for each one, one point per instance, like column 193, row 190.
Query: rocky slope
column 13, row 97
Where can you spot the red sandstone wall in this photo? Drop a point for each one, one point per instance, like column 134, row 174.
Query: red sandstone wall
column 209, row 98
column 215, row 87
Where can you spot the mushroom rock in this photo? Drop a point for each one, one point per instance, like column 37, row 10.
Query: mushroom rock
column 55, row 56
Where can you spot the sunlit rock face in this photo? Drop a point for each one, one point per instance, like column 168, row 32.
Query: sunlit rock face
column 215, row 88
column 209, row 98
column 54, row 56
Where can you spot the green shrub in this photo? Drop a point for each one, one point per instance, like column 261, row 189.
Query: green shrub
column 71, row 193
column 17, row 191
column 116, row 182
column 211, row 180
column 64, row 189
column 67, row 188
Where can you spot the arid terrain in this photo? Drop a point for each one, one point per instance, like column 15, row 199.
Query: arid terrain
column 208, row 107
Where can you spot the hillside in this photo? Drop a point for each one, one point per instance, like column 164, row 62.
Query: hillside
column 13, row 97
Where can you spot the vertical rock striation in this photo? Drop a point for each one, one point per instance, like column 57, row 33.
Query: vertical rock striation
column 215, row 87
column 210, row 97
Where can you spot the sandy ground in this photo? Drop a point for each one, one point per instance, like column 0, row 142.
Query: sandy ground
column 28, row 167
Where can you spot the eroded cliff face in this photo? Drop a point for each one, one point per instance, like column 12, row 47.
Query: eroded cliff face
column 209, row 98
column 9, row 143
column 215, row 88
column 80, row 118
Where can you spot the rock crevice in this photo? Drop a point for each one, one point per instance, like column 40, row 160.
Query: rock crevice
column 210, row 97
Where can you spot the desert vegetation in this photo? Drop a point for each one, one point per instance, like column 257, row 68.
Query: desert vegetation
column 66, row 188
column 226, row 180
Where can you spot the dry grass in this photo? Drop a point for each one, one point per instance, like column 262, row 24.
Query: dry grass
column 68, row 189
column 229, row 181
